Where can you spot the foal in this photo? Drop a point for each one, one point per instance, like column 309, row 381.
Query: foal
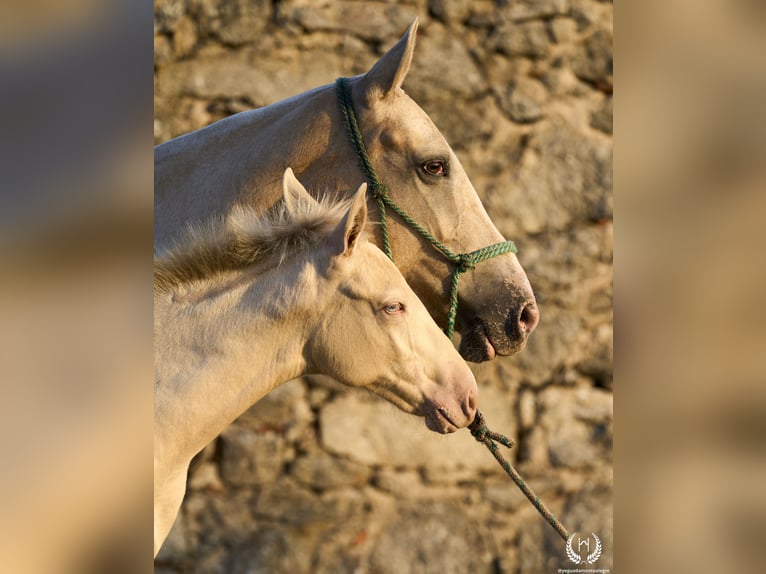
column 251, row 303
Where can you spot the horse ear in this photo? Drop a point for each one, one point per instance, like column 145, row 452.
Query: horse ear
column 293, row 192
column 389, row 72
column 346, row 235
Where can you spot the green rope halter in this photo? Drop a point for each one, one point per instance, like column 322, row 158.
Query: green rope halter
column 463, row 261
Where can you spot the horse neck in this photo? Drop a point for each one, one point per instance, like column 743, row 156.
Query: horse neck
column 243, row 157
column 220, row 350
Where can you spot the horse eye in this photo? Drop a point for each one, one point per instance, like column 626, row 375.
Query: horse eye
column 393, row 308
column 435, row 167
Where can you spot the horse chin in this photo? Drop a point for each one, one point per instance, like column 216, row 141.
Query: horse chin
column 438, row 422
column 480, row 343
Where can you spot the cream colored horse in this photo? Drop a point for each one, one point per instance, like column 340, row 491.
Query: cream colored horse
column 203, row 175
column 245, row 307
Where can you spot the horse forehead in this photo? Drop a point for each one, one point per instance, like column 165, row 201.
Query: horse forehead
column 404, row 122
column 372, row 274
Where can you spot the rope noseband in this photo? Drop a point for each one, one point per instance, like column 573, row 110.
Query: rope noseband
column 463, row 261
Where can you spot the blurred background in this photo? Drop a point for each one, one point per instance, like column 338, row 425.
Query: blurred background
column 318, row 478
column 690, row 279
column 75, row 310
column 531, row 81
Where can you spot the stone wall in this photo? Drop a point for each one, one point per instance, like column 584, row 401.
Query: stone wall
column 316, row 478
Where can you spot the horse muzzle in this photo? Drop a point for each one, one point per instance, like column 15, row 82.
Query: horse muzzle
column 453, row 407
column 484, row 339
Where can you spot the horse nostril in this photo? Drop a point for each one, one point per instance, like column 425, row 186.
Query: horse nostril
column 469, row 405
column 529, row 318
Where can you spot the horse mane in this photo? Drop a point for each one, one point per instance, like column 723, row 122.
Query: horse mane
column 245, row 238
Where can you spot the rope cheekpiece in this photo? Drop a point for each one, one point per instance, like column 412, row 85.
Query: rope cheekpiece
column 463, row 261
column 488, row 438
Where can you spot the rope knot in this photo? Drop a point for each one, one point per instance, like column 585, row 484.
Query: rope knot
column 465, row 263
column 378, row 190
column 478, row 427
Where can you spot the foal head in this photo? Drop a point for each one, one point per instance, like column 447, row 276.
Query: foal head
column 375, row 333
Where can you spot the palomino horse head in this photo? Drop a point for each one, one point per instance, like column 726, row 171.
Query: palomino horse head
column 497, row 309
column 376, row 333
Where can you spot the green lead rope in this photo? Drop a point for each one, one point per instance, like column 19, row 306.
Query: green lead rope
column 463, row 261
column 488, row 438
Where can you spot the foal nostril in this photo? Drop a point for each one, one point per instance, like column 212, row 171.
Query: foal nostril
column 529, row 318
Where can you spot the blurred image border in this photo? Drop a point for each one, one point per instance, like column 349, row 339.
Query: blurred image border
column 76, row 231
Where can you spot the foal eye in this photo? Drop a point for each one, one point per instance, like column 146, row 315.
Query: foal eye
column 435, row 167
column 393, row 308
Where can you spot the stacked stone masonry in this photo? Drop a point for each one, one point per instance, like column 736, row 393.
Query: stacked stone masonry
column 317, row 478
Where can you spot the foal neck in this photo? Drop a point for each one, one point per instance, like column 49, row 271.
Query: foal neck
column 220, row 353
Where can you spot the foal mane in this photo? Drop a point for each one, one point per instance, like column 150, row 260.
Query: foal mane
column 245, row 238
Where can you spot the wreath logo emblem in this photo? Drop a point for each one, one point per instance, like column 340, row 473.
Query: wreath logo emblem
column 576, row 556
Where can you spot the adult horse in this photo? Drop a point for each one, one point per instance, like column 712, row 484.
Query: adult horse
column 202, row 175
column 245, row 307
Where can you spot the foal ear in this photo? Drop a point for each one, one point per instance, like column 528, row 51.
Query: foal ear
column 346, row 235
column 293, row 192
column 388, row 73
